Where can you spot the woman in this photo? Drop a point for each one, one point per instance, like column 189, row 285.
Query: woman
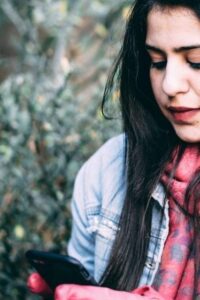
column 136, row 221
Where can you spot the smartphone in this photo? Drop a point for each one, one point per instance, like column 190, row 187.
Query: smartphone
column 57, row 269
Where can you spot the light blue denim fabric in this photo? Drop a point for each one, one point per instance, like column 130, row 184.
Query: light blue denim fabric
column 97, row 202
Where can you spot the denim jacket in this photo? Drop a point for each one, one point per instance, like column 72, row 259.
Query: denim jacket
column 96, row 207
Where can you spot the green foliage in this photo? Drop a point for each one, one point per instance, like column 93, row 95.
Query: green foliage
column 51, row 120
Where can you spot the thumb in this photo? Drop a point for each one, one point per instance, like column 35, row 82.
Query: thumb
column 37, row 285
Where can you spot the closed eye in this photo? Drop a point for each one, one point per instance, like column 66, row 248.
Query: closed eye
column 194, row 65
column 160, row 65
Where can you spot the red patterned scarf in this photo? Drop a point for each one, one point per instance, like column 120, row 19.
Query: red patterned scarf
column 175, row 277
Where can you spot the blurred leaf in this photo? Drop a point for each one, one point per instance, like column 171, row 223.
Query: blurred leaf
column 50, row 92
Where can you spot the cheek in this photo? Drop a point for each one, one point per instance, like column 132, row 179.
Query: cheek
column 198, row 87
column 156, row 85
column 195, row 83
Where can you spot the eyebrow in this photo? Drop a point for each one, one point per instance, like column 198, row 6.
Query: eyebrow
column 177, row 50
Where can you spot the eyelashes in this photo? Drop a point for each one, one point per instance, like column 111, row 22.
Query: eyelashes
column 160, row 65
column 195, row 65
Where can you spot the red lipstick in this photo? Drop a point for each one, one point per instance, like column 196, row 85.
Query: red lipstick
column 182, row 113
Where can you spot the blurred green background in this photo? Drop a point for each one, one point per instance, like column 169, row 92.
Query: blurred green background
column 55, row 56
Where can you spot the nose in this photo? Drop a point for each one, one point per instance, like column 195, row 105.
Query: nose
column 175, row 80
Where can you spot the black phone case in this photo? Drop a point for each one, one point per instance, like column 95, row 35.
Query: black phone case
column 58, row 269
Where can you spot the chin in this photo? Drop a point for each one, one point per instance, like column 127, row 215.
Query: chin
column 188, row 133
column 189, row 138
column 191, row 141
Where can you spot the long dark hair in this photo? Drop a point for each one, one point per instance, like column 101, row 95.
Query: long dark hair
column 150, row 141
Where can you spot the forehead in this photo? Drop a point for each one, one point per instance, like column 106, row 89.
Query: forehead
column 175, row 27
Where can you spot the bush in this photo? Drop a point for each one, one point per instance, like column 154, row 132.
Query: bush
column 51, row 122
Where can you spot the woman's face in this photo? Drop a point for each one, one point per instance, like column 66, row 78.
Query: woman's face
column 173, row 43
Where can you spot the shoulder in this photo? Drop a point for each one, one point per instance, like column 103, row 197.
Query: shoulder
column 109, row 156
column 102, row 174
column 109, row 153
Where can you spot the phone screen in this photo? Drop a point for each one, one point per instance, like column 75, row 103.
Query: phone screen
column 57, row 269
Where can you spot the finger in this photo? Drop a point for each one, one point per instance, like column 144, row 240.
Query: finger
column 79, row 292
column 37, row 285
column 73, row 291
column 63, row 292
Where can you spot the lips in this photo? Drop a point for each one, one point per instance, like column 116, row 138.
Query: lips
column 183, row 114
column 181, row 109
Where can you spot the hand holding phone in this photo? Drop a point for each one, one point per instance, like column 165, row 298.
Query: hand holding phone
column 58, row 269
